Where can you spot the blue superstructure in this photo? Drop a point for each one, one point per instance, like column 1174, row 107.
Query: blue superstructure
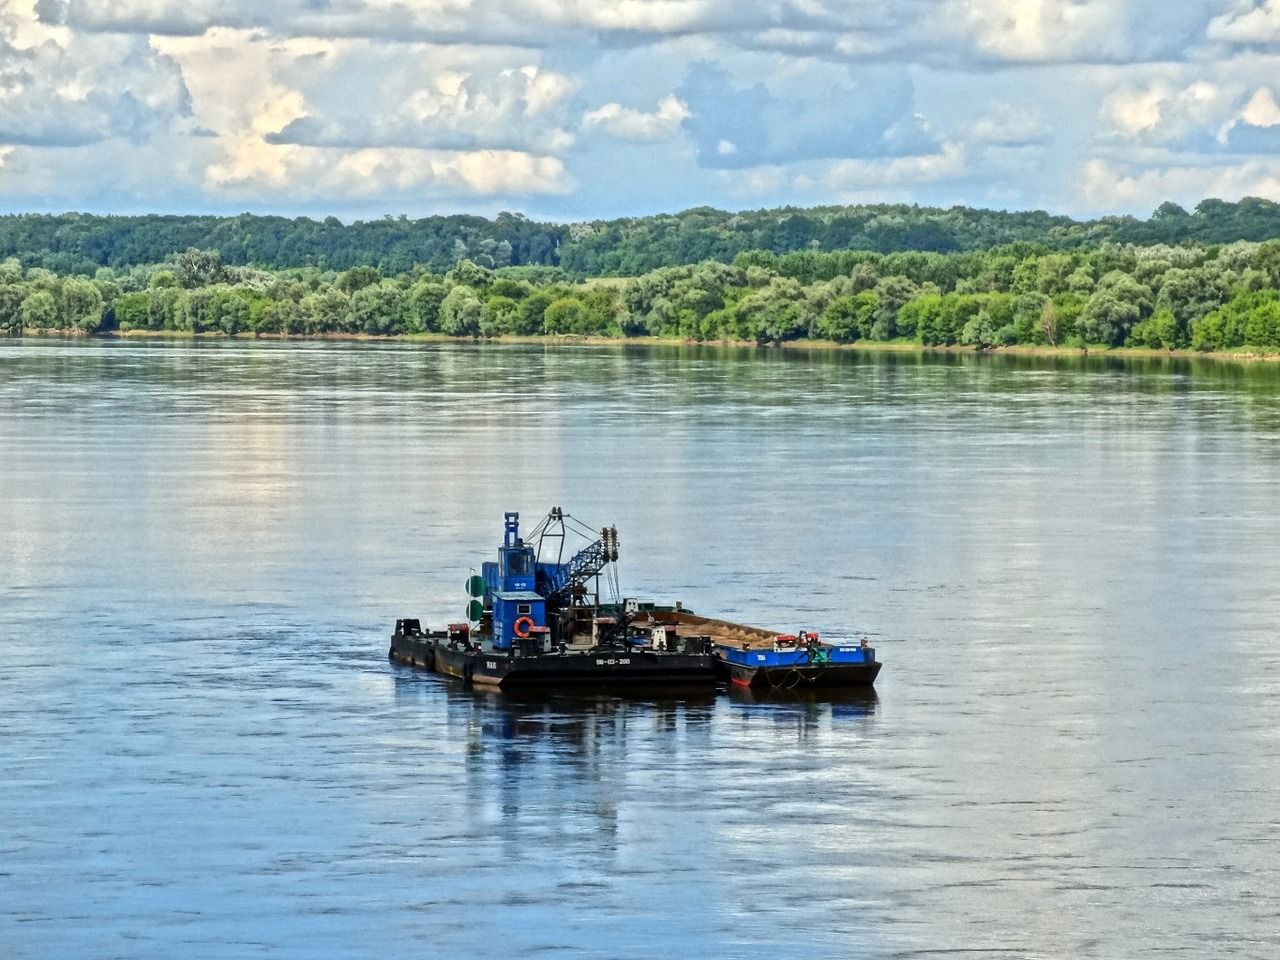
column 518, row 610
column 793, row 661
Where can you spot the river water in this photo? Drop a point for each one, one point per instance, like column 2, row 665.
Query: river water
column 1069, row 567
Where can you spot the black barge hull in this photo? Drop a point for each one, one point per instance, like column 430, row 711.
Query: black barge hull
column 825, row 676
column 574, row 669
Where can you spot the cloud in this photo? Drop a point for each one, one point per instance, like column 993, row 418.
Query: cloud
column 1160, row 112
column 479, row 21
column 1203, row 117
column 1065, row 31
column 424, row 20
column 75, row 92
column 376, row 104
column 641, row 16
column 524, row 109
column 1126, row 187
column 1010, row 126
column 1248, row 23
column 809, row 113
column 307, row 173
column 944, row 31
column 844, row 176
column 637, row 126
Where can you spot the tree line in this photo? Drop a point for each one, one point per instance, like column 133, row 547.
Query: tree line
column 81, row 243
column 1160, row 296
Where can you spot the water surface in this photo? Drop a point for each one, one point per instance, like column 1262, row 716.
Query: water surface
column 1070, row 568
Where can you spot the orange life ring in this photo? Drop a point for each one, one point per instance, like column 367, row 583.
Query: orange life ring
column 522, row 626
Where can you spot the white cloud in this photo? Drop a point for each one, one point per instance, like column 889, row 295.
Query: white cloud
column 373, row 102
column 649, row 16
column 626, row 123
column 284, row 122
column 1006, row 125
column 58, row 89
column 1038, row 30
column 1248, row 23
column 1262, row 109
column 949, row 30
column 1203, row 117
column 1161, row 112
column 758, row 182
column 307, row 173
column 1121, row 187
column 1065, row 31
column 859, row 175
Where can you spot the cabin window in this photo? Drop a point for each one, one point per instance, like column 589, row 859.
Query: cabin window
column 524, row 608
column 519, row 563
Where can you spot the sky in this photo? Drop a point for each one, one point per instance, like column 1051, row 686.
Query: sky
column 582, row 109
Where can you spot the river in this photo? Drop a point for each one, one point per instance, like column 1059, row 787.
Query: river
column 1068, row 566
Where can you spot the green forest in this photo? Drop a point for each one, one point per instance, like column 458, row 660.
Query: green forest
column 1207, row 279
column 81, row 243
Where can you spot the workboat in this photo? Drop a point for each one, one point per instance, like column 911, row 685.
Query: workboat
column 797, row 662
column 535, row 617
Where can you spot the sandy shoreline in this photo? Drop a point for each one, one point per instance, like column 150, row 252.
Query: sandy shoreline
column 869, row 346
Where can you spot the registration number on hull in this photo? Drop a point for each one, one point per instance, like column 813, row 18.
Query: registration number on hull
column 615, row 662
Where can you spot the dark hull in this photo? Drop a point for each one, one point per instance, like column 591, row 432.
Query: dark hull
column 415, row 651
column 822, row 676
column 572, row 670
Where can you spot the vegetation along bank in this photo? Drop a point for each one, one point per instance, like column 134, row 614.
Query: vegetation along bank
column 1066, row 284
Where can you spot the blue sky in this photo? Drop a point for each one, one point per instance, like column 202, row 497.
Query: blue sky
column 577, row 109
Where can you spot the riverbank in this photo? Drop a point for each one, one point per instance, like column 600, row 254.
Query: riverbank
column 1241, row 355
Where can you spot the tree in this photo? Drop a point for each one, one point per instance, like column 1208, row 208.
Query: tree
column 1189, row 294
column 1159, row 331
column 1108, row 319
column 376, row 309
column 11, row 297
column 199, row 268
column 461, row 312
column 1049, row 322
column 470, row 274
column 940, row 319
column 283, row 317
column 1267, row 261
column 80, row 304
column 357, row 278
column 776, row 313
column 500, row 316
column 133, row 311
column 847, row 318
column 893, row 294
column 1169, row 211
column 39, row 310
column 529, row 319
column 1118, row 302
column 323, row 312
column 565, row 315
column 980, row 330
column 423, row 309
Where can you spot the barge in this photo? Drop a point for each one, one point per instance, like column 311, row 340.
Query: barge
column 535, row 618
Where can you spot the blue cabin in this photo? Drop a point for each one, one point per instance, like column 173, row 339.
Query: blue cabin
column 518, row 611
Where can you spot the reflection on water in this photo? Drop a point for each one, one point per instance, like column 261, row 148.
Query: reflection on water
column 1068, row 565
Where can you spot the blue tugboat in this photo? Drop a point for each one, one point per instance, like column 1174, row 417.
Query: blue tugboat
column 535, row 618
column 797, row 662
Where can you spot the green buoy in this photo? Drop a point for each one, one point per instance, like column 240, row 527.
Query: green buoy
column 475, row 610
column 475, row 586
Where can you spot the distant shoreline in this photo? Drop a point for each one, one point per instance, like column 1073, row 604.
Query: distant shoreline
column 863, row 346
